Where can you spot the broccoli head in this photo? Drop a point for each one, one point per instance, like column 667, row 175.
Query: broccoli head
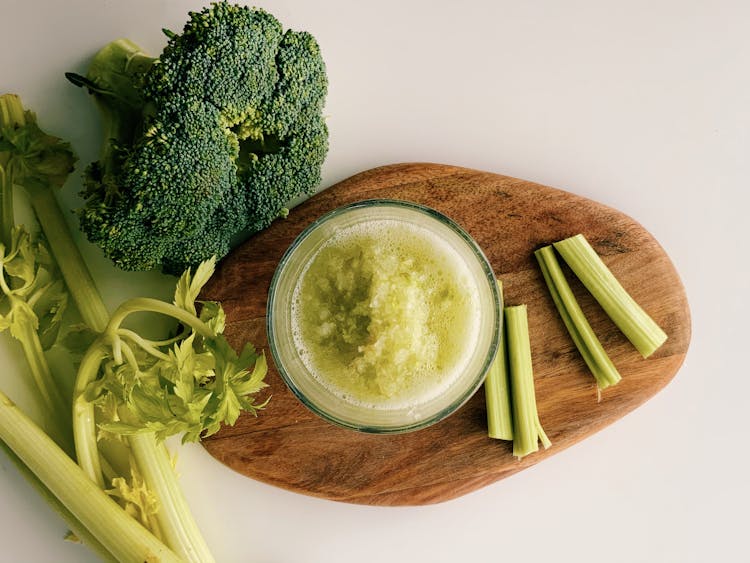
column 207, row 142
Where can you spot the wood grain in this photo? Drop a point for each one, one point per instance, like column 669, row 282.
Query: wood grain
column 289, row 447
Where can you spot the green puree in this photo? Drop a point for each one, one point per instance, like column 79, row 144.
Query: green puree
column 385, row 314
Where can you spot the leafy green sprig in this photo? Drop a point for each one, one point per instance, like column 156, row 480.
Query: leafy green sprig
column 132, row 392
column 187, row 385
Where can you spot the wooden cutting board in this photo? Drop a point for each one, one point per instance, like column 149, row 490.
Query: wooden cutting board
column 288, row 446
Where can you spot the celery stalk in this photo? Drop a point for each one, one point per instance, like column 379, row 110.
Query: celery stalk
column 74, row 271
column 175, row 519
column 496, row 390
column 39, row 163
column 580, row 330
column 75, row 526
column 629, row 317
column 56, row 415
column 119, row 534
column 7, row 221
column 527, row 429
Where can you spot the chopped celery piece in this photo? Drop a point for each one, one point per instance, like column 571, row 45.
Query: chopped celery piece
column 629, row 317
column 117, row 533
column 496, row 389
column 527, row 429
column 580, row 330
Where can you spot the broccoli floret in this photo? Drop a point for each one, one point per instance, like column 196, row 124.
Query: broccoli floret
column 211, row 140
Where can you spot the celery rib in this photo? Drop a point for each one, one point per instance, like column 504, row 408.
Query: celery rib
column 589, row 346
column 119, row 534
column 57, row 413
column 174, row 517
column 6, row 203
column 38, row 177
column 496, row 388
column 75, row 526
column 527, row 429
column 77, row 277
column 629, row 317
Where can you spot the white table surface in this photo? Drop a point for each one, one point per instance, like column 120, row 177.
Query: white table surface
column 641, row 105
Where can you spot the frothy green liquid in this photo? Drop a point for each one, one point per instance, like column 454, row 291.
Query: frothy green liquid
column 386, row 314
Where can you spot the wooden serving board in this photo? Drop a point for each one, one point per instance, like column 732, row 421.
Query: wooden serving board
column 288, row 446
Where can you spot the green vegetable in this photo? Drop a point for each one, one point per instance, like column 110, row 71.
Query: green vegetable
column 210, row 140
column 117, row 535
column 77, row 531
column 629, row 317
column 190, row 384
column 33, row 298
column 39, row 163
column 133, row 390
column 527, row 429
column 497, row 388
column 130, row 392
column 580, row 330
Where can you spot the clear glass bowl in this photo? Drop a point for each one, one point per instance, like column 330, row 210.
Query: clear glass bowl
column 331, row 405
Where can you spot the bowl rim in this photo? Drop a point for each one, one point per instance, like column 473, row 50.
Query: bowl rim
column 454, row 405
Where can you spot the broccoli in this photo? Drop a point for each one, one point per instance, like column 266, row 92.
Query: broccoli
column 205, row 144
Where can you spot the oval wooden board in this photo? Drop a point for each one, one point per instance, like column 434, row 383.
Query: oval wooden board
column 289, row 447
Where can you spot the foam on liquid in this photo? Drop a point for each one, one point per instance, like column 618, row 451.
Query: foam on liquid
column 386, row 314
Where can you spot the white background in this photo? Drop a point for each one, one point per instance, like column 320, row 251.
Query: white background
column 641, row 105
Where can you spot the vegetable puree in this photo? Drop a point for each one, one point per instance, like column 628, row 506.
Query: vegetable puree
column 386, row 314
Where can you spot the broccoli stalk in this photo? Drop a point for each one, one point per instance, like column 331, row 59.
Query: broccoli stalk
column 205, row 145
column 113, row 371
column 120, row 105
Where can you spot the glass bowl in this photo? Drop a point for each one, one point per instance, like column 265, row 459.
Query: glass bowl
column 426, row 346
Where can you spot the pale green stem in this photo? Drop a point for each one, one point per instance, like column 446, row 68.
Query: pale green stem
column 84, row 415
column 527, row 430
column 6, row 205
column 55, row 408
column 146, row 345
column 120, row 534
column 149, row 305
column 130, row 358
column 575, row 321
column 629, row 317
column 75, row 526
column 175, row 519
column 72, row 266
column 496, row 388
